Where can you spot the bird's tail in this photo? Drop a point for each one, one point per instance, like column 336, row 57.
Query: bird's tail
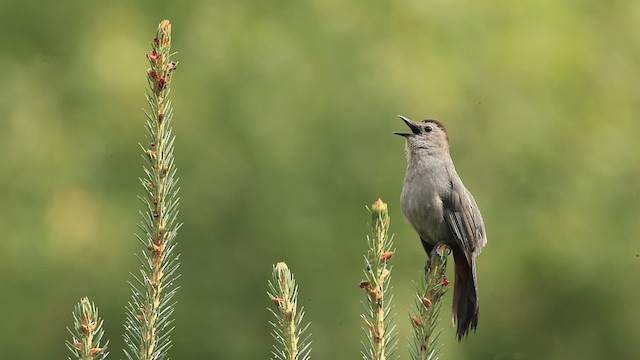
column 465, row 294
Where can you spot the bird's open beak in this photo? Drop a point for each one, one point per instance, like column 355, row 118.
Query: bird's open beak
column 414, row 128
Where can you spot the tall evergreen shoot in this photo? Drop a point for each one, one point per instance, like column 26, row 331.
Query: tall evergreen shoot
column 149, row 321
column 381, row 341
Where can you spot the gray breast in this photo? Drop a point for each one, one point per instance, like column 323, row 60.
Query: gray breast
column 422, row 207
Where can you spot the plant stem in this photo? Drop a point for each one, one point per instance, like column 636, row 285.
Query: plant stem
column 377, row 274
column 287, row 329
column 149, row 314
column 428, row 303
column 87, row 333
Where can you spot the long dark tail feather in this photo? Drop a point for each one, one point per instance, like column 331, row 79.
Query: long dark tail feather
column 465, row 295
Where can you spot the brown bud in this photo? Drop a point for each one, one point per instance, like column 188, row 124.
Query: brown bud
column 153, row 56
column 364, row 284
column 380, row 216
column 86, row 328
column 426, row 302
column 152, row 74
column 95, row 351
column 162, row 83
column 379, row 205
column 155, row 248
column 386, row 255
column 278, row 301
column 78, row 345
column 416, row 321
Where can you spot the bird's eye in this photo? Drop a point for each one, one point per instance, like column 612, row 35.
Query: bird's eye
column 428, row 128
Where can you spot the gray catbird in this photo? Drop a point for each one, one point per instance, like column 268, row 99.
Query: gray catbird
column 440, row 209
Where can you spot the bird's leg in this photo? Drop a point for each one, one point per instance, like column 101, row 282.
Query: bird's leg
column 428, row 248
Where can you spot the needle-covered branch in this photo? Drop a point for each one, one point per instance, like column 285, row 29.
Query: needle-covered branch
column 426, row 315
column 381, row 342
column 87, row 333
column 292, row 340
column 149, row 320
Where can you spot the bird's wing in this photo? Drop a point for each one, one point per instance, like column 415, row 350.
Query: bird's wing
column 464, row 219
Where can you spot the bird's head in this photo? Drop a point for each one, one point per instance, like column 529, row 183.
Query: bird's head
column 427, row 135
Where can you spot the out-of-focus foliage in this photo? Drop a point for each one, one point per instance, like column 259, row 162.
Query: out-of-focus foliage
column 284, row 113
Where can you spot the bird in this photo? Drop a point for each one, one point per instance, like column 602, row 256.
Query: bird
column 441, row 209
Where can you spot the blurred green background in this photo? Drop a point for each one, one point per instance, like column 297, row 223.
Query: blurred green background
column 284, row 119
